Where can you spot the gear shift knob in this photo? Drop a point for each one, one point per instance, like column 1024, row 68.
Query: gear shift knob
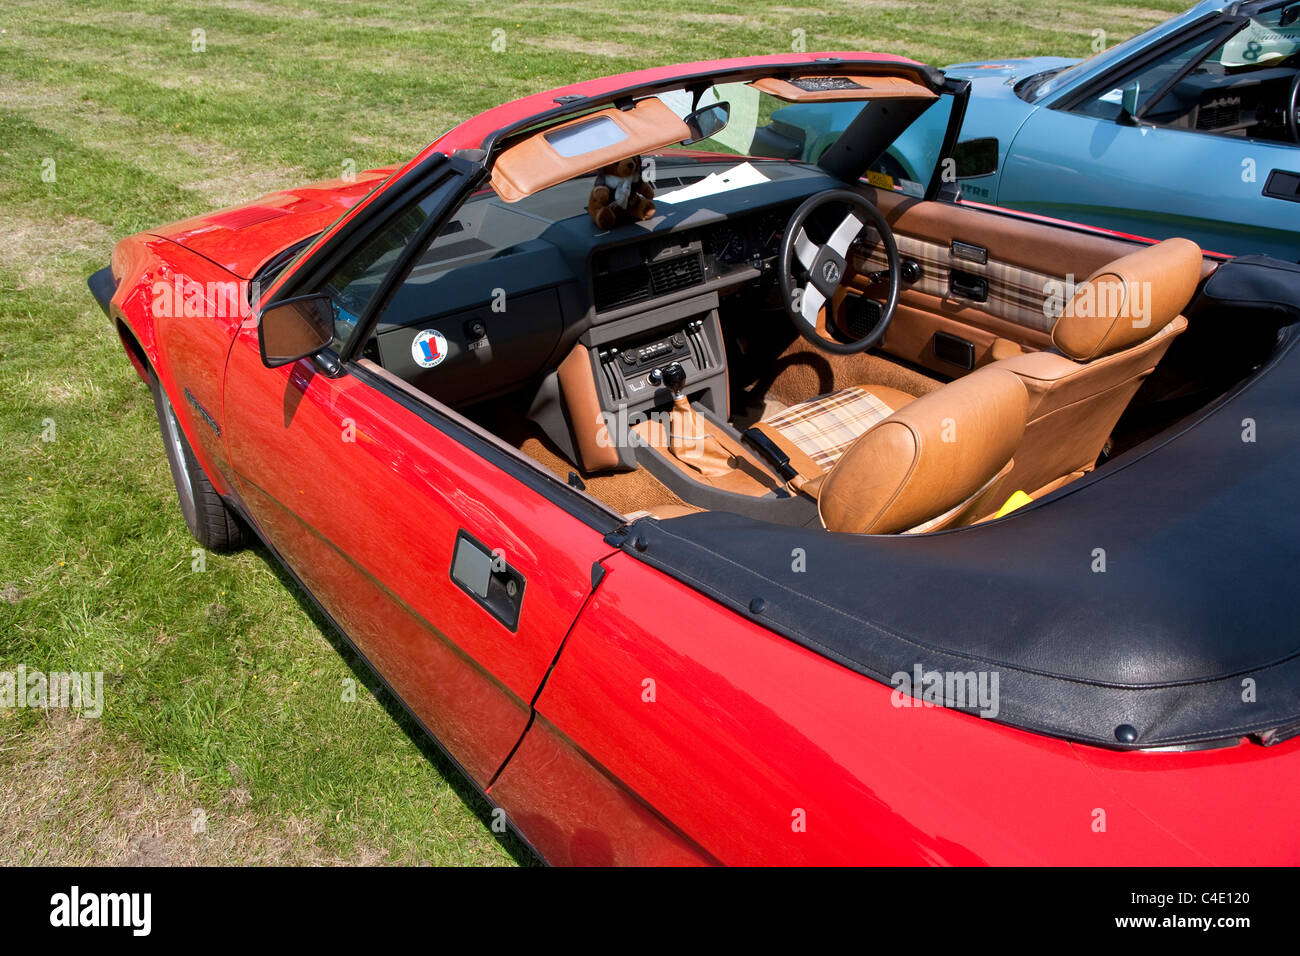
column 674, row 378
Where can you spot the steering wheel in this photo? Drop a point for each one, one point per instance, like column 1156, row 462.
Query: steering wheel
column 1292, row 106
column 825, row 267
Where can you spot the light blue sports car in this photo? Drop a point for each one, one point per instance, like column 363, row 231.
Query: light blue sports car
column 1190, row 129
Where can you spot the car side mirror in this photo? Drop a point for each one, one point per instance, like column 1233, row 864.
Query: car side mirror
column 975, row 158
column 295, row 328
column 1128, row 103
column 707, row 121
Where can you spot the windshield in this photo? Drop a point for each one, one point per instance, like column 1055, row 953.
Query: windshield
column 1045, row 84
column 762, row 125
column 1270, row 39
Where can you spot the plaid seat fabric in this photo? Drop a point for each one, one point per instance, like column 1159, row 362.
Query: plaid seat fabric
column 824, row 427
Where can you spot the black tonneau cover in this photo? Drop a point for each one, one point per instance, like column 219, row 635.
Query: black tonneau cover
column 1189, row 634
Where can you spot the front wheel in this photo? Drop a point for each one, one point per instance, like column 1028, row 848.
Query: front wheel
column 207, row 516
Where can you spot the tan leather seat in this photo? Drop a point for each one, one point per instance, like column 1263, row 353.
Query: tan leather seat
column 937, row 462
column 1118, row 325
column 816, row 433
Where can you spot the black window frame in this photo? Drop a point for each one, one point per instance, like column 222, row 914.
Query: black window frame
column 433, row 172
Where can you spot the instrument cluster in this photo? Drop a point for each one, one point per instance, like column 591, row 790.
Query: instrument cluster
column 749, row 241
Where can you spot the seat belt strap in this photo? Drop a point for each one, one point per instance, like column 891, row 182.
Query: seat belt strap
column 794, row 467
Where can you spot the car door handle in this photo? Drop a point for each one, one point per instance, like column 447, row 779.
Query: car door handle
column 486, row 577
column 1283, row 185
column 967, row 286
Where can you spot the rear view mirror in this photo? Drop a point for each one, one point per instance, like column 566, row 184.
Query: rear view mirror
column 707, row 122
column 975, row 158
column 295, row 328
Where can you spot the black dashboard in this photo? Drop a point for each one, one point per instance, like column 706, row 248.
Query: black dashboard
column 652, row 268
column 1250, row 103
column 506, row 289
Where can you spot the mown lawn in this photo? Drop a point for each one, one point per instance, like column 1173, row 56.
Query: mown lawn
column 224, row 710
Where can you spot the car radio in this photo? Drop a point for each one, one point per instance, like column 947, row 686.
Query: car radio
column 635, row 367
column 657, row 352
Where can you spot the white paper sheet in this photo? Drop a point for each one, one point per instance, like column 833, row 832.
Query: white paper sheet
column 738, row 177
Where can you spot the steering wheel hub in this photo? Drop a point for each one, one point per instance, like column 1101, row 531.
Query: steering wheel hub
column 831, row 272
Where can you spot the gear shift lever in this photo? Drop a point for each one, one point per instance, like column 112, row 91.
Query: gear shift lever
column 688, row 438
column 675, row 379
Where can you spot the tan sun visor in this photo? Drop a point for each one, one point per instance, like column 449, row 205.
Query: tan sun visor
column 824, row 89
column 553, row 155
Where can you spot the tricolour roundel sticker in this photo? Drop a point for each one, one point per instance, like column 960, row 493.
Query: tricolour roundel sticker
column 429, row 348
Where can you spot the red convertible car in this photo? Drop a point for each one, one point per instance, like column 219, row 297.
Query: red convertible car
column 778, row 512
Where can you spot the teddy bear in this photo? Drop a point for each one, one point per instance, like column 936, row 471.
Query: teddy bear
column 619, row 193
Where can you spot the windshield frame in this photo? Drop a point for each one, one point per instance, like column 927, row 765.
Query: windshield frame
column 568, row 107
column 928, row 181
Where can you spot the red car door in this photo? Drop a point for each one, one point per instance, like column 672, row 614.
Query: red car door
column 723, row 741
column 368, row 501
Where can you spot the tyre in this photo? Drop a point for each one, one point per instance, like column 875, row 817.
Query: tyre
column 208, row 517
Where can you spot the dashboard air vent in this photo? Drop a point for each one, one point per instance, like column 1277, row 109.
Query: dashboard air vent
column 1223, row 113
column 680, row 272
column 622, row 287
column 633, row 284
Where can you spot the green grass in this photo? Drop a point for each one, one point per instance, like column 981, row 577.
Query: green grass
column 223, row 690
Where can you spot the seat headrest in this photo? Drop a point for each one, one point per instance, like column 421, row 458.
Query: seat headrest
column 1129, row 300
column 928, row 457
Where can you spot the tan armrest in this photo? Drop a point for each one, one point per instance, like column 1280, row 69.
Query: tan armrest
column 1004, row 349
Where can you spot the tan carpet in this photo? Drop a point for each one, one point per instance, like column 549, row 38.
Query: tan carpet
column 803, row 372
column 625, row 491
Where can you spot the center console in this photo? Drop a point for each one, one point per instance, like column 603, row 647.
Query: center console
column 629, row 356
column 618, row 412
